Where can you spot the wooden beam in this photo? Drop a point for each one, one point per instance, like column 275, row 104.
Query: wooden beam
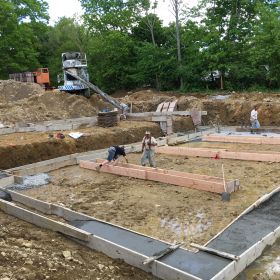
column 6, row 181
column 220, row 153
column 271, row 140
column 259, row 130
column 196, row 181
column 44, row 222
column 53, row 125
column 160, row 116
column 174, row 113
column 216, row 252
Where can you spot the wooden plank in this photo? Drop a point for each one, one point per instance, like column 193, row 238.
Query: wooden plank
column 175, row 113
column 169, row 172
column 215, row 252
column 41, row 221
column 34, row 203
column 220, row 153
column 117, row 170
column 159, row 107
column 232, row 185
column 6, row 181
column 172, row 106
column 196, row 181
column 242, row 139
column 196, row 117
column 258, row 130
column 53, row 125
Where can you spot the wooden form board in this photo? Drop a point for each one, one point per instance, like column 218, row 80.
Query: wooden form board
column 158, row 268
column 242, row 139
column 196, row 181
column 258, row 130
column 97, row 243
column 220, row 153
column 60, row 162
column 53, row 125
column 6, row 181
column 41, row 221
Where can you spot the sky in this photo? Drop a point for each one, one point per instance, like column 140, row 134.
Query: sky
column 69, row 8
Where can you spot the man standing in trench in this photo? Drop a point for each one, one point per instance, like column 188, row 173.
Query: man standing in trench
column 148, row 149
column 254, row 118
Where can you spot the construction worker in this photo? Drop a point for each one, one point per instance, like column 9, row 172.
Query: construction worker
column 113, row 155
column 148, row 149
column 254, row 118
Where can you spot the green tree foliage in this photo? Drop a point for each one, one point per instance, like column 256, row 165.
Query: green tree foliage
column 230, row 27
column 111, row 60
column 127, row 46
column 104, row 15
column 21, row 25
column 265, row 46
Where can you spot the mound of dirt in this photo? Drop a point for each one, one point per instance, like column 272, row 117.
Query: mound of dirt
column 11, row 91
column 28, row 102
column 146, row 100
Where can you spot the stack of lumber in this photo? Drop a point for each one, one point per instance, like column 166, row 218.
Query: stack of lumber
column 108, row 119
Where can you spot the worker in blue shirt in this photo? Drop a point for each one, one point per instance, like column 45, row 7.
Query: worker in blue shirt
column 113, row 155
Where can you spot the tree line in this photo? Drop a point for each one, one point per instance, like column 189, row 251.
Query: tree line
column 226, row 44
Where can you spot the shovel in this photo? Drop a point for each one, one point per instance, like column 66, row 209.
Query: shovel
column 225, row 194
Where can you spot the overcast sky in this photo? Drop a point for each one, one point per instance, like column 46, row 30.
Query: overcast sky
column 69, row 8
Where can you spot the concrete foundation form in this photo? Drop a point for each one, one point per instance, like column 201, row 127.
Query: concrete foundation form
column 220, row 153
column 244, row 239
column 249, row 139
column 134, row 248
column 183, row 179
column 54, row 125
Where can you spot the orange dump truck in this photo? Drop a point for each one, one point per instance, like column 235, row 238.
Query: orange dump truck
column 40, row 76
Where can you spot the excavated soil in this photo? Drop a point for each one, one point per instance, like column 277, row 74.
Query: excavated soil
column 167, row 212
column 31, row 253
column 24, row 148
column 230, row 109
column 164, row 211
column 28, row 102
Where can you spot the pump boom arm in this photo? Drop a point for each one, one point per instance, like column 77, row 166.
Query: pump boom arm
column 104, row 95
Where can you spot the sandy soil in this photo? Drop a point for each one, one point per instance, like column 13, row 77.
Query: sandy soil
column 31, row 253
column 177, row 214
column 167, row 212
column 24, row 148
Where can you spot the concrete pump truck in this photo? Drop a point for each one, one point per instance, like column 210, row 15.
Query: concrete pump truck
column 76, row 79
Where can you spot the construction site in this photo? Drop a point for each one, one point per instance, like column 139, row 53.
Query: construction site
column 209, row 209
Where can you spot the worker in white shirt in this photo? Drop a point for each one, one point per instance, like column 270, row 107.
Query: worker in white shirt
column 148, row 149
column 254, row 118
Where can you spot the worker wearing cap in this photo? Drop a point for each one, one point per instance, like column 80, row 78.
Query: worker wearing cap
column 148, row 149
column 254, row 118
column 113, row 155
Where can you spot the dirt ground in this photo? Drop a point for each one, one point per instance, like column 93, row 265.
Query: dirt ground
column 177, row 214
column 166, row 212
column 28, row 102
column 24, row 148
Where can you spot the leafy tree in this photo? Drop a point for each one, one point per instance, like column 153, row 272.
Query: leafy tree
column 104, row 15
column 265, row 46
column 21, row 22
column 229, row 25
column 111, row 60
